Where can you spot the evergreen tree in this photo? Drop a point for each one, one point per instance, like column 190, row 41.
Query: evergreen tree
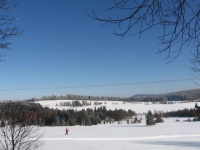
column 2, row 124
column 150, row 119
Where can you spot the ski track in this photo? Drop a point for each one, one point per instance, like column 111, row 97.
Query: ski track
column 121, row 139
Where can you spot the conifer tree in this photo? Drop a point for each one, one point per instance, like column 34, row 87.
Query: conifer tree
column 150, row 119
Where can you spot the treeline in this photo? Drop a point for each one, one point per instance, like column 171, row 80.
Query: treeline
column 76, row 97
column 35, row 114
column 180, row 113
column 163, row 98
column 99, row 98
column 184, row 95
column 77, row 103
column 160, row 99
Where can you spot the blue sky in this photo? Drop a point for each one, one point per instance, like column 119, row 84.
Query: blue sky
column 62, row 47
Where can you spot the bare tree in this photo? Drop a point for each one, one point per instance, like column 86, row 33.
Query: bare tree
column 17, row 131
column 7, row 27
column 179, row 21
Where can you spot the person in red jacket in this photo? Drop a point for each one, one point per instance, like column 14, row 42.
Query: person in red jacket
column 67, row 131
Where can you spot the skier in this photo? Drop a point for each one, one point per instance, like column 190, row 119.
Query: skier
column 66, row 131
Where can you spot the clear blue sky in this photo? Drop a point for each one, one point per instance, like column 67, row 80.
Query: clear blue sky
column 62, row 47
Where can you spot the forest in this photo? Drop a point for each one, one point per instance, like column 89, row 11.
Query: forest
column 35, row 114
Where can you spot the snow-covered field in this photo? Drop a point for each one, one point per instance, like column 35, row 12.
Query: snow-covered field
column 137, row 107
column 170, row 135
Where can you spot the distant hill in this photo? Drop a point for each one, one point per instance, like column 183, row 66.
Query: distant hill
column 142, row 95
column 192, row 94
column 186, row 92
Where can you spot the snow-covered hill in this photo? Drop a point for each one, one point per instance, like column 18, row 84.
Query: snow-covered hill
column 137, row 107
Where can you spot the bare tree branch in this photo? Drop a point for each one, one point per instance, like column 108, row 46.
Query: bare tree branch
column 18, row 132
column 7, row 27
column 178, row 19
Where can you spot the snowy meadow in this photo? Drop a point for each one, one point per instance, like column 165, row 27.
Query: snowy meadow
column 170, row 135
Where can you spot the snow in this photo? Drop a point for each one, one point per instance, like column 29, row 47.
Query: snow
column 137, row 107
column 170, row 135
column 167, row 136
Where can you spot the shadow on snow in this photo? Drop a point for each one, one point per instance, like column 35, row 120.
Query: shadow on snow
column 191, row 144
